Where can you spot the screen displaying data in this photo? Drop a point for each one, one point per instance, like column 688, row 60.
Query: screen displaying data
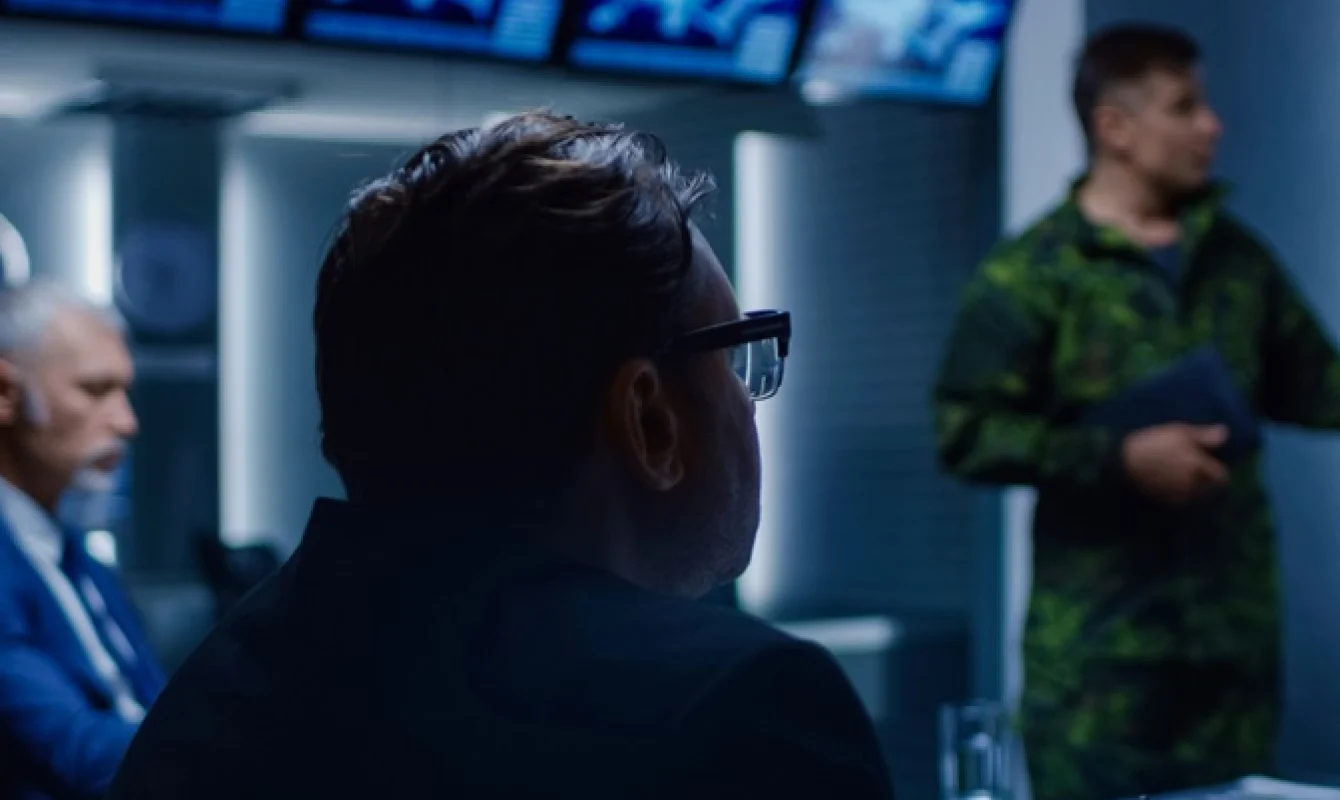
column 244, row 16
column 519, row 29
column 937, row 50
column 742, row 40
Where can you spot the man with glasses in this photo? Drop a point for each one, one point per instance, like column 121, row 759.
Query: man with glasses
column 539, row 392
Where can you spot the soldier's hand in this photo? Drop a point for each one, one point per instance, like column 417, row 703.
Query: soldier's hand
column 1172, row 463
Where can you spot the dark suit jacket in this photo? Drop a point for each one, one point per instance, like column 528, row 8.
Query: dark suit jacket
column 59, row 735
column 397, row 658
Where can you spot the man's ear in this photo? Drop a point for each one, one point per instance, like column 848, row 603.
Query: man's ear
column 1111, row 125
column 645, row 424
column 11, row 393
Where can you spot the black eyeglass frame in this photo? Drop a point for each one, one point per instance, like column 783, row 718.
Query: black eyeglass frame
column 756, row 326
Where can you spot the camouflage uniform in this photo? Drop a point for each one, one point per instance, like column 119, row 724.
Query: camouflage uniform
column 1151, row 648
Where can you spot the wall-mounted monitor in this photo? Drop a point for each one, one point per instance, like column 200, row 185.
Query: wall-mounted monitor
column 517, row 29
column 238, row 16
column 737, row 40
column 932, row 50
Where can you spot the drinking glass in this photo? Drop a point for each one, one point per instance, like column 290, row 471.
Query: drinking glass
column 975, row 748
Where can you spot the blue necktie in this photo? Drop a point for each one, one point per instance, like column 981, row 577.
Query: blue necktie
column 137, row 674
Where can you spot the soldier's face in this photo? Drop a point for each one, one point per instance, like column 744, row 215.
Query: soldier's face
column 1164, row 128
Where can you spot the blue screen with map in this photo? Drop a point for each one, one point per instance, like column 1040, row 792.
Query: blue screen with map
column 242, row 16
column 935, row 50
column 740, row 40
column 518, row 29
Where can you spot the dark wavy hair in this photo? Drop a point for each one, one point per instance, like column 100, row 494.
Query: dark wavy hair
column 475, row 301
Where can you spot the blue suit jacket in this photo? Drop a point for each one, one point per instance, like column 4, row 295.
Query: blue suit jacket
column 59, row 734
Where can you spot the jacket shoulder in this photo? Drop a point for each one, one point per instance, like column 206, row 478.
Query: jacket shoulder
column 1030, row 267
column 1232, row 233
column 617, row 656
column 1043, row 248
column 1045, row 235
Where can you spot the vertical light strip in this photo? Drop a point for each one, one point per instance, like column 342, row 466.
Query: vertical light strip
column 93, row 181
column 13, row 254
column 240, row 346
column 758, row 264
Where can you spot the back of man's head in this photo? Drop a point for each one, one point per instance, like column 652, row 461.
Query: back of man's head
column 475, row 299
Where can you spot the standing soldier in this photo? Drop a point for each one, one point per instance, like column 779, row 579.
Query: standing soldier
column 1151, row 648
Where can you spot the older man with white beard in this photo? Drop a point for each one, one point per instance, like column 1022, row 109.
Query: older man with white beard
column 76, row 671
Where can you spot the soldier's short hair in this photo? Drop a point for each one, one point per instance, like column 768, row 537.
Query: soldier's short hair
column 1125, row 54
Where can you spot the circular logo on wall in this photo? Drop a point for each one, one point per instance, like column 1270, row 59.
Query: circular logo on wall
column 14, row 265
column 165, row 278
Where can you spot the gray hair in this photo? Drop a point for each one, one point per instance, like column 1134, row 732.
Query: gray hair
column 27, row 311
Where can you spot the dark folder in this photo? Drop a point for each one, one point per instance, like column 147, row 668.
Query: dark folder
column 1198, row 389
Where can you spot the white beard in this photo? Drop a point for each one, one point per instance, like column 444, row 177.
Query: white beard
column 90, row 503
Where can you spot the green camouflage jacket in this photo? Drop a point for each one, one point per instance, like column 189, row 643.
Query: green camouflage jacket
column 1062, row 317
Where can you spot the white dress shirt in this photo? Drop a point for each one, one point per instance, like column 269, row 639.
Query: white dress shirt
column 41, row 540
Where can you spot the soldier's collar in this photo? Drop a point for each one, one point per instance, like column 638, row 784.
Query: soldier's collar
column 1197, row 216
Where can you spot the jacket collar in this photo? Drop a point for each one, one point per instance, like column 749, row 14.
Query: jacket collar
column 1197, row 217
